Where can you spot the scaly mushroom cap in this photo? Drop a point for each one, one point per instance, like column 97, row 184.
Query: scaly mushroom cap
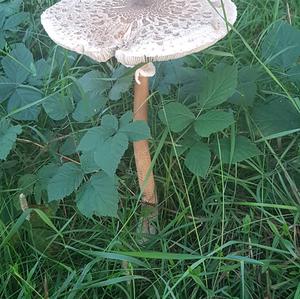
column 138, row 31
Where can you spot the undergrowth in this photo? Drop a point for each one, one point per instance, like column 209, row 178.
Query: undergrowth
column 228, row 225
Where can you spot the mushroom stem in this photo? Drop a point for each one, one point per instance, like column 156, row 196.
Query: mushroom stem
column 142, row 156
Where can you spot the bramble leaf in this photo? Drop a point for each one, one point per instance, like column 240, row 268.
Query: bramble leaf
column 135, row 130
column 177, row 116
column 15, row 20
column 247, row 87
column 197, row 159
column 94, row 81
column 17, row 65
column 218, row 86
column 66, row 180
column 22, row 97
column 276, row 118
column 88, row 163
column 280, row 46
column 122, row 85
column 8, row 137
column 90, row 140
column 6, row 88
column 109, row 142
column 58, row 106
column 213, row 122
column 109, row 152
column 89, row 107
column 44, row 175
column 99, row 196
column 243, row 149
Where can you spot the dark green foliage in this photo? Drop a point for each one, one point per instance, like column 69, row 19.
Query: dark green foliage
column 281, row 46
column 225, row 138
column 276, row 118
column 8, row 136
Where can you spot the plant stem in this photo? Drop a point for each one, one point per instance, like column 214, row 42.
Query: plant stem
column 142, row 155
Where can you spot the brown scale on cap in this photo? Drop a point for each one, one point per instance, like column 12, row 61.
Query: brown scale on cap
column 137, row 31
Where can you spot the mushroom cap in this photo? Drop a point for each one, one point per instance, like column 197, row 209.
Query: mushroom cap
column 138, row 31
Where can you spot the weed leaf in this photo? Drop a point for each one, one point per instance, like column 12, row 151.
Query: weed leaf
column 110, row 151
column 136, row 130
column 99, row 196
column 66, row 180
column 22, row 97
column 8, row 137
column 17, row 65
column 243, row 149
column 88, row 163
column 122, row 85
column 213, row 122
column 197, row 159
column 281, row 46
column 58, row 107
column 177, row 116
column 218, row 86
column 247, row 87
column 88, row 107
column 276, row 118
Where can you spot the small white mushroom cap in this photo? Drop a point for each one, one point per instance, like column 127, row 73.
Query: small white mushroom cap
column 138, row 31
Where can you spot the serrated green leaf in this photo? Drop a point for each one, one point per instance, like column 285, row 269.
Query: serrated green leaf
column 17, row 65
column 89, row 107
column 109, row 142
column 46, row 172
column 88, row 163
column 126, row 118
column 42, row 72
column 213, row 122
column 218, row 86
column 172, row 73
column 8, row 137
column 197, row 159
column 136, row 130
column 11, row 7
column 66, row 180
column 94, row 81
column 244, row 149
column 177, row 116
column 6, row 88
column 69, row 147
column 98, row 197
column 91, row 138
column 26, row 183
column 122, row 85
column 281, row 46
column 109, row 152
column 110, row 124
column 58, row 107
column 276, row 118
column 19, row 99
column 247, row 87
column 15, row 20
column 44, row 175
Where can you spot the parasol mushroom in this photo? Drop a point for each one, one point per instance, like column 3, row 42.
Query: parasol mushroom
column 139, row 32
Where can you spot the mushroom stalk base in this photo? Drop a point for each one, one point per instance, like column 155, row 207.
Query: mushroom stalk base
column 143, row 159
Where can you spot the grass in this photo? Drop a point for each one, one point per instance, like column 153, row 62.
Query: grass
column 235, row 234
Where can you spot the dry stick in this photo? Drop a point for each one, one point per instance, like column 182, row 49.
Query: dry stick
column 142, row 154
